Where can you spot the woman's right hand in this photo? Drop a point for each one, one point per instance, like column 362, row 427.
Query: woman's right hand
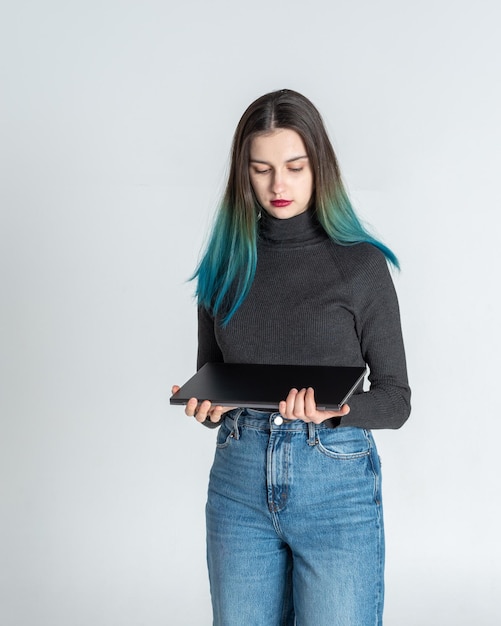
column 204, row 410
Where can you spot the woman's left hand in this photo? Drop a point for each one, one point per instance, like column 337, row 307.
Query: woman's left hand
column 301, row 405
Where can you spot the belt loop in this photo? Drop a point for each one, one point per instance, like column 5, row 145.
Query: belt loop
column 236, row 432
column 312, row 434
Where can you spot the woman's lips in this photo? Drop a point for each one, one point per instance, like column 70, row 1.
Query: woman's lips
column 281, row 203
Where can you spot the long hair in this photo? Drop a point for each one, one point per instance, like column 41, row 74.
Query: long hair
column 226, row 271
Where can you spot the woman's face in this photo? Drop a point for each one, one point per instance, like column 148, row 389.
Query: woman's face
column 280, row 173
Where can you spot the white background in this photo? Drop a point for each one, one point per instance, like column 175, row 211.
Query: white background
column 116, row 121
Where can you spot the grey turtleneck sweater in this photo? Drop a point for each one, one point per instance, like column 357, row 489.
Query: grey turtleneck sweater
column 314, row 302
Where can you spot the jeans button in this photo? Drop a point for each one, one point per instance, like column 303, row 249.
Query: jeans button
column 278, row 420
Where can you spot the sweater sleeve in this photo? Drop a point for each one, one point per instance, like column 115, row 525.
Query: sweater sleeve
column 208, row 349
column 387, row 403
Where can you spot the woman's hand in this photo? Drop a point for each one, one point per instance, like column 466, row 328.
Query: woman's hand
column 301, row 405
column 203, row 410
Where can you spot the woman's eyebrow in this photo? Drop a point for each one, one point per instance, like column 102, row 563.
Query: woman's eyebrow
column 296, row 158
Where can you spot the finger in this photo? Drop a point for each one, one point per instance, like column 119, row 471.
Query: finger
column 289, row 404
column 345, row 409
column 299, row 404
column 191, row 407
column 310, row 406
column 215, row 413
column 323, row 415
column 175, row 389
column 203, row 411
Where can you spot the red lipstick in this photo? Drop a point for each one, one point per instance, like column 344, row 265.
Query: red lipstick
column 281, row 203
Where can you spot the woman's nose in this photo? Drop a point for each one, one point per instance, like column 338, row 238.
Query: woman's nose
column 278, row 185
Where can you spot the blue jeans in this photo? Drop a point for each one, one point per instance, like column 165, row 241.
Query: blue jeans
column 294, row 524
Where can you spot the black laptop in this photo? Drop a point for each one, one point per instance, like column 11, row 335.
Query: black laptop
column 264, row 386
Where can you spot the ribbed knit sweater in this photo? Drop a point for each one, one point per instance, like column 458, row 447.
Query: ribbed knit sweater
column 314, row 302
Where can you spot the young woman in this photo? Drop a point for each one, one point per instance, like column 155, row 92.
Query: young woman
column 290, row 276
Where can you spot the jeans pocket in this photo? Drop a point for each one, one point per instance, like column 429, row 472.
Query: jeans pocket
column 224, row 435
column 343, row 443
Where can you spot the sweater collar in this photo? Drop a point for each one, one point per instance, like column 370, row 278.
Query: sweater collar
column 301, row 228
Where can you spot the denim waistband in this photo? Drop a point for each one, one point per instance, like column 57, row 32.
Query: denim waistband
column 268, row 421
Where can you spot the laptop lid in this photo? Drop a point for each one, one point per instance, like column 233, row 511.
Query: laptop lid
column 264, row 386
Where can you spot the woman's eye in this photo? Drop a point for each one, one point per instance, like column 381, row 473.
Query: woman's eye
column 262, row 171
column 295, row 169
